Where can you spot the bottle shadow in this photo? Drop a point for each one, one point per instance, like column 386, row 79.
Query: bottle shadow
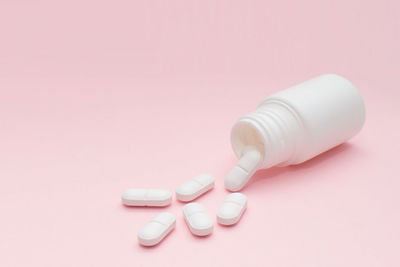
column 272, row 174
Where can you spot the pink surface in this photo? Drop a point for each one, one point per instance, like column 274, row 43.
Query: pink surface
column 100, row 96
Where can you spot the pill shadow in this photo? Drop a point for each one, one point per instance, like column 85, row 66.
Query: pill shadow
column 143, row 208
column 280, row 173
column 206, row 237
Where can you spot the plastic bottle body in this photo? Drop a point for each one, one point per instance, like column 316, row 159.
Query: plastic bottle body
column 298, row 123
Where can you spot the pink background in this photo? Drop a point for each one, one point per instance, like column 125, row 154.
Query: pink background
column 100, row 96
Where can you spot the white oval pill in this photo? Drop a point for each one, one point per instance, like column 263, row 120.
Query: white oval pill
column 248, row 164
column 195, row 187
column 158, row 228
column 197, row 219
column 146, row 197
column 232, row 209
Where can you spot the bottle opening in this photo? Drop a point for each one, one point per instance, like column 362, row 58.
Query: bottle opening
column 245, row 135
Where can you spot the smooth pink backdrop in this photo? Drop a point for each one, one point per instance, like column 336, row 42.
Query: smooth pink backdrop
column 100, row 96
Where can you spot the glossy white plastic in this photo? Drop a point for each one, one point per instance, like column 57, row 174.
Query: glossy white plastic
column 158, row 228
column 232, row 209
column 195, row 187
column 297, row 124
column 146, row 197
column 197, row 219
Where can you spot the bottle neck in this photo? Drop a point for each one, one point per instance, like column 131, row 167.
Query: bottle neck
column 273, row 129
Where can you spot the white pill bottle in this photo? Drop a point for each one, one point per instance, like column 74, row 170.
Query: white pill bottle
column 295, row 125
